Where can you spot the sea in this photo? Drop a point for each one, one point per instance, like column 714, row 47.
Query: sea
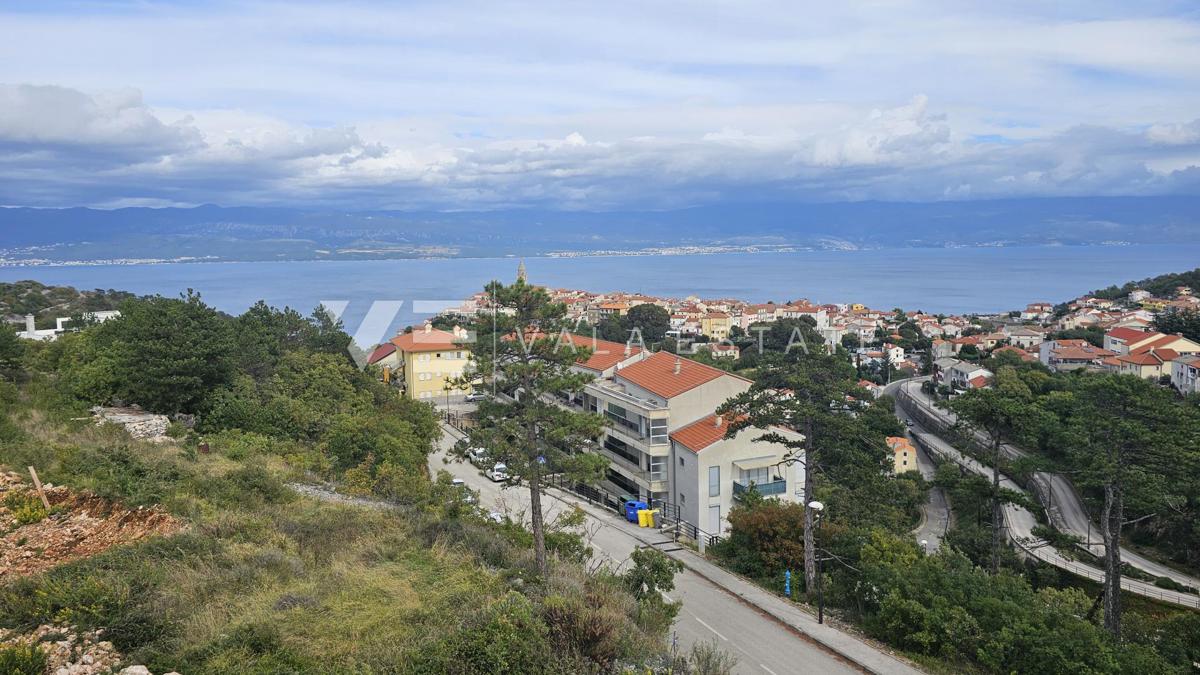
column 947, row 280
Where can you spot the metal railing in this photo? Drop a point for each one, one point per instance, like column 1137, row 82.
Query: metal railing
column 775, row 487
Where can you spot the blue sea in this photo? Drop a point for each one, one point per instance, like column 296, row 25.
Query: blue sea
column 935, row 280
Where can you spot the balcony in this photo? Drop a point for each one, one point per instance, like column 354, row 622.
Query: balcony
column 603, row 388
column 775, row 487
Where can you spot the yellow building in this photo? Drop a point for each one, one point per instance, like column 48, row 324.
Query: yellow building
column 715, row 325
column 904, row 454
column 426, row 360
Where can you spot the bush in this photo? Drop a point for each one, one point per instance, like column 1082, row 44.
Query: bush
column 26, row 507
column 28, row 660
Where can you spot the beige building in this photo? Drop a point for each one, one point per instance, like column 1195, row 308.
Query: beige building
column 425, row 362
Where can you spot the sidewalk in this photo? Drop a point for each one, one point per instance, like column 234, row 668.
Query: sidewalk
column 856, row 650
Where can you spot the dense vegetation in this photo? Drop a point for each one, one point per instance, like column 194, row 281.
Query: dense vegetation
column 948, row 606
column 1162, row 286
column 263, row 579
column 46, row 303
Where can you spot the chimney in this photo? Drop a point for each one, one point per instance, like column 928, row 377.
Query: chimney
column 458, row 331
column 718, row 420
column 678, row 364
column 628, row 349
column 30, row 327
column 428, row 327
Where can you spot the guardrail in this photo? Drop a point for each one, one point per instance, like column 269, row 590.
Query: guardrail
column 1037, row 548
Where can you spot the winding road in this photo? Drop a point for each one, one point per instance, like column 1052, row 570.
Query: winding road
column 1019, row 522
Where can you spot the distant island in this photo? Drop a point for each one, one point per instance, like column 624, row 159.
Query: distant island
column 83, row 236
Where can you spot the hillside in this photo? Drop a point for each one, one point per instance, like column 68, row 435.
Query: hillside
column 19, row 298
column 1161, row 286
column 195, row 553
column 248, row 233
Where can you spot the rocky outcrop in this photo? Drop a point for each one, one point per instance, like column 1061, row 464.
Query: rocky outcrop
column 139, row 423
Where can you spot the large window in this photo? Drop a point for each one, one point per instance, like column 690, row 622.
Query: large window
column 622, row 450
column 760, row 476
column 658, row 468
column 624, row 419
column 714, row 481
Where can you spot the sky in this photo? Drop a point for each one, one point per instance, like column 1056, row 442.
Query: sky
column 593, row 105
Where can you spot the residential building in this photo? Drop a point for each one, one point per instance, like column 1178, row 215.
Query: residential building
column 645, row 400
column 708, row 471
column 962, row 375
column 715, row 325
column 1062, row 355
column 32, row 332
column 904, row 454
column 426, row 361
column 1185, row 374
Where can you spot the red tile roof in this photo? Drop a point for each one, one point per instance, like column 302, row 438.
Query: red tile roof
column 434, row 340
column 1128, row 334
column 978, row 381
column 605, row 354
column 381, row 352
column 657, row 375
column 1144, row 359
column 702, row 433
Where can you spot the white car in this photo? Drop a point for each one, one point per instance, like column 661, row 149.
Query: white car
column 461, row 484
column 477, row 456
column 498, row 473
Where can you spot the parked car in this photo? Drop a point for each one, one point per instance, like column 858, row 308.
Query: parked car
column 908, row 423
column 478, row 457
column 498, row 473
column 475, row 397
column 461, row 485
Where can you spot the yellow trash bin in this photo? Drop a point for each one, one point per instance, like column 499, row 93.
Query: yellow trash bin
column 651, row 516
column 643, row 517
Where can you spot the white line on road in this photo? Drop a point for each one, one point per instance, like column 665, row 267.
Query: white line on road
column 714, row 630
column 766, row 669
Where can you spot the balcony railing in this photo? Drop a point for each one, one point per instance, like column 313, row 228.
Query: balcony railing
column 775, row 487
column 608, row 388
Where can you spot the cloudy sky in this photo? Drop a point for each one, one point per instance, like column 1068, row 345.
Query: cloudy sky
column 593, row 105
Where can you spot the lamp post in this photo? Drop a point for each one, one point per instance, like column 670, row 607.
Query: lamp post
column 446, row 388
column 925, row 546
column 817, row 509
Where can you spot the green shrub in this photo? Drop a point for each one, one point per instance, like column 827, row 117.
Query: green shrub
column 28, row 660
column 26, row 507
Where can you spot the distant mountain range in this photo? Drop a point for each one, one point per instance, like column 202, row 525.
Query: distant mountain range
column 32, row 236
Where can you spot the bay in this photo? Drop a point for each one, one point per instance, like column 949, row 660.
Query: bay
column 935, row 280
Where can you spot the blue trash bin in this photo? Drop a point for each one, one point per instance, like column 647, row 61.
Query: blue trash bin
column 631, row 509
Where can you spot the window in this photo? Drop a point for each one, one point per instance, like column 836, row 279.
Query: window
column 658, row 432
column 714, row 481
column 680, row 461
column 658, row 468
column 760, row 476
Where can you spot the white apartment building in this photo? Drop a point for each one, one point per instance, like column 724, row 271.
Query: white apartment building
column 709, row 471
column 645, row 398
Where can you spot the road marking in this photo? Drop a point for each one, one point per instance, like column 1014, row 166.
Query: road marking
column 714, row 630
column 766, row 669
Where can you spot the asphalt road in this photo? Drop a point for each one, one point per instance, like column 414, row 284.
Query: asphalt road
column 709, row 614
column 1019, row 524
column 1064, row 507
column 935, row 512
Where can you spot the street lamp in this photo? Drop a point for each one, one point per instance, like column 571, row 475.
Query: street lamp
column 446, row 388
column 925, row 546
column 817, row 509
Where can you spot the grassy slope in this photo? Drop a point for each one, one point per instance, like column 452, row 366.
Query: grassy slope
column 262, row 580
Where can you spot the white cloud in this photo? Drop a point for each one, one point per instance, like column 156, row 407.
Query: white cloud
column 458, row 105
